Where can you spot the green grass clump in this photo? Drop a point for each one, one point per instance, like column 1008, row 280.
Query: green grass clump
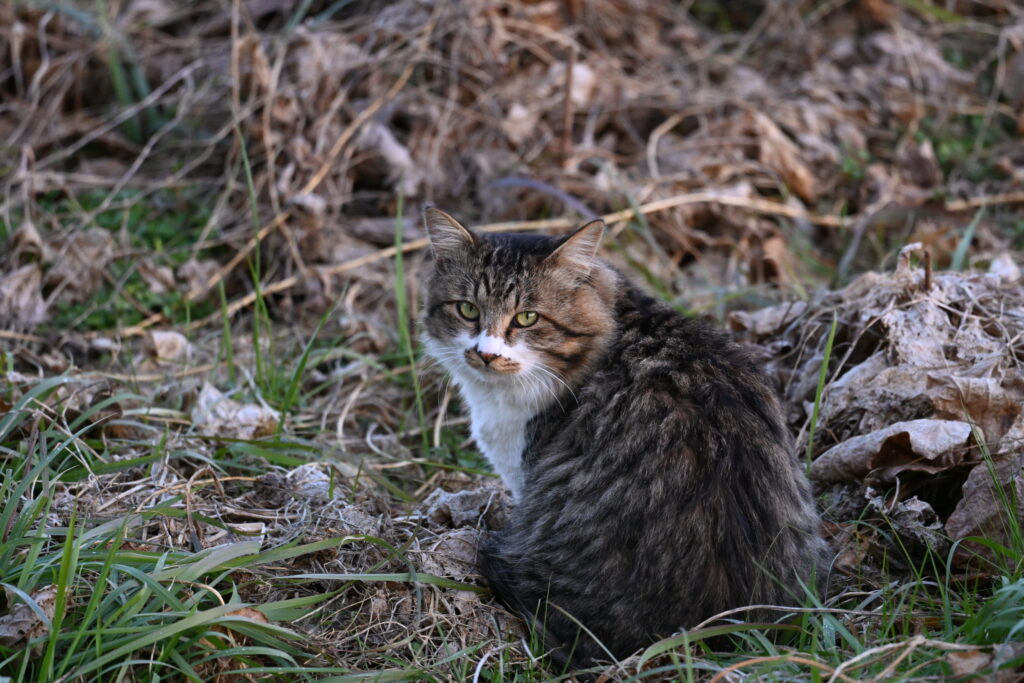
column 105, row 603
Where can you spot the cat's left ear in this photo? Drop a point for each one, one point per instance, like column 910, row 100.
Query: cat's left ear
column 578, row 251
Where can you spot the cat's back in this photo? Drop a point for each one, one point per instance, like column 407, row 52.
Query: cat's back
column 674, row 383
column 670, row 480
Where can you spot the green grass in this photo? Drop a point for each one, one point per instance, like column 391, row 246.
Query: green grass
column 163, row 225
column 118, row 604
column 819, row 390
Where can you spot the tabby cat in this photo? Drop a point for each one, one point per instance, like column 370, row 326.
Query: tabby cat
column 655, row 480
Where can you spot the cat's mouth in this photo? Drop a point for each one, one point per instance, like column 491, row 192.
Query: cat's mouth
column 491, row 364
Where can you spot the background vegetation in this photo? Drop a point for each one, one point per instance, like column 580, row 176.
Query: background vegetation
column 221, row 454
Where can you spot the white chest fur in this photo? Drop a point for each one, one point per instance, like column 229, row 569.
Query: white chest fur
column 498, row 421
column 500, row 406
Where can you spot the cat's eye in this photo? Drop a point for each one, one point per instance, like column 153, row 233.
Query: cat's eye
column 468, row 310
column 525, row 318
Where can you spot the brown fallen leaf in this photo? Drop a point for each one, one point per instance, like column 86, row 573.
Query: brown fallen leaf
column 1004, row 267
column 913, row 520
column 22, row 624
column 21, row 298
column 769, row 320
column 970, row 663
column 197, row 274
column 982, row 664
column 520, row 123
column 989, row 496
column 77, row 263
column 217, row 415
column 166, row 345
column 923, row 445
column 213, row 669
column 159, row 279
column 471, row 507
column 781, row 154
column 453, row 555
column 402, row 168
column 993, row 404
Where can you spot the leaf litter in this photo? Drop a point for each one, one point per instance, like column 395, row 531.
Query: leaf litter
column 804, row 141
column 925, row 402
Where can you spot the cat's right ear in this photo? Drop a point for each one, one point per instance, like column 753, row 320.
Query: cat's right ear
column 447, row 236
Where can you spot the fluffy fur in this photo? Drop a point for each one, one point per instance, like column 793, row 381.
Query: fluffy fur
column 656, row 482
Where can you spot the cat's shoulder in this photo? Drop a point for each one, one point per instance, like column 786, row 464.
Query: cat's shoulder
column 657, row 338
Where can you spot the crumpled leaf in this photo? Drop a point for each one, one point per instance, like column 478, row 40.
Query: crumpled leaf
column 402, row 168
column 922, row 445
column 159, row 279
column 197, row 274
column 781, row 154
column 22, row 624
column 989, row 495
column 215, row 414
column 980, row 665
column 489, row 504
column 21, row 298
column 913, row 520
column 520, row 123
column 993, row 404
column 166, row 345
column 453, row 555
column 77, row 264
column 769, row 320
column 1004, row 268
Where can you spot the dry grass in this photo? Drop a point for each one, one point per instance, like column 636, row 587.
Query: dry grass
column 213, row 194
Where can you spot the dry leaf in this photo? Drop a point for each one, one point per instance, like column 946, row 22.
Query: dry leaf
column 994, row 405
column 520, row 123
column 470, row 507
column 26, row 240
column 767, row 321
column 160, row 279
column 217, row 415
column 166, row 345
column 401, row 166
column 197, row 274
column 1004, row 268
column 781, row 154
column 21, row 298
column 921, row 445
column 77, row 264
column 453, row 555
column 251, row 614
column 21, row 624
column 982, row 510
column 969, row 664
column 913, row 520
column 982, row 665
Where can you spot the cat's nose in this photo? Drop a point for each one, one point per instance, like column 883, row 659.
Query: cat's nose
column 486, row 357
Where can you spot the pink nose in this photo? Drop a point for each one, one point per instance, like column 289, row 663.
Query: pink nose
column 486, row 357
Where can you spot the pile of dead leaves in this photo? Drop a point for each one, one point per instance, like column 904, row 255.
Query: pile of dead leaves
column 921, row 420
column 750, row 148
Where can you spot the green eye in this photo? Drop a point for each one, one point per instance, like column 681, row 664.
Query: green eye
column 525, row 318
column 468, row 310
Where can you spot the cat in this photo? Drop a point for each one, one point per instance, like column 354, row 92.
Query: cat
column 655, row 481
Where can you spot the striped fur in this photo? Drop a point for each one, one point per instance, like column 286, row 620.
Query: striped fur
column 658, row 483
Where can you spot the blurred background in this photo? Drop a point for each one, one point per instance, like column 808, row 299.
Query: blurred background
column 151, row 149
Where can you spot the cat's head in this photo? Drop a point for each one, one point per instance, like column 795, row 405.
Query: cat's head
column 516, row 309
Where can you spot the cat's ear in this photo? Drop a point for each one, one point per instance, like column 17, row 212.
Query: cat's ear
column 578, row 251
column 447, row 236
